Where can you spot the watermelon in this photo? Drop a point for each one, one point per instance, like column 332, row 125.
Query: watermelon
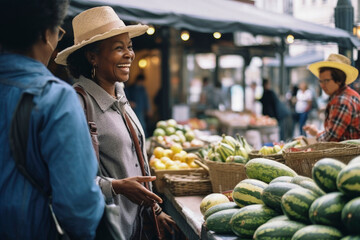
column 220, row 207
column 355, row 160
column 249, row 218
column 348, row 180
column 266, row 170
column 317, row 232
column 325, row 172
column 283, row 230
column 296, row 204
column 212, row 200
column 248, row 192
column 311, row 185
column 272, row 194
column 351, row 237
column 219, row 222
column 282, row 179
column 299, row 178
column 326, row 210
column 279, row 218
column 350, row 216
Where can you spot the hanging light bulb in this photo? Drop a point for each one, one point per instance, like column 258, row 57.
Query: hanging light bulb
column 151, row 30
column 185, row 35
column 290, row 39
column 217, row 35
column 143, row 63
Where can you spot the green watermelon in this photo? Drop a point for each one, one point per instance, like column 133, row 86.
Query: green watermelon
column 348, row 180
column 266, row 170
column 299, row 178
column 311, row 185
column 350, row 216
column 326, row 210
column 219, row 222
column 249, row 218
column 282, row 179
column 325, row 172
column 296, row 204
column 279, row 218
column 276, row 230
column 220, row 207
column 317, row 232
column 355, row 160
column 272, row 194
column 248, row 192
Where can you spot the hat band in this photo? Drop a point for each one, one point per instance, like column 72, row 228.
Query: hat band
column 100, row 30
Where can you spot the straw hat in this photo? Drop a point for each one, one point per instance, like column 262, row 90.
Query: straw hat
column 97, row 24
column 337, row 61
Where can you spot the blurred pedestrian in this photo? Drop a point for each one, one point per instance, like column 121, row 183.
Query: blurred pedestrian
column 303, row 105
column 59, row 154
column 342, row 114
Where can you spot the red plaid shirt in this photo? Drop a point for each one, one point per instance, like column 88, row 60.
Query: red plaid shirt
column 342, row 117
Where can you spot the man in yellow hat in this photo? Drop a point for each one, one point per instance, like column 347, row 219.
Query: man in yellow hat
column 342, row 114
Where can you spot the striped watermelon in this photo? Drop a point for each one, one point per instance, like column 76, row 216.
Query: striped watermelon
column 296, row 204
column 299, row 178
column 311, row 185
column 275, row 230
column 219, row 207
column 325, row 172
column 272, row 194
column 248, row 192
column 279, row 218
column 326, row 210
column 348, row 180
column 220, row 221
column 317, row 232
column 350, row 216
column 266, row 170
column 249, row 218
column 282, row 179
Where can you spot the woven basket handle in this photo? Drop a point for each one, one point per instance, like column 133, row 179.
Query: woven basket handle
column 201, row 165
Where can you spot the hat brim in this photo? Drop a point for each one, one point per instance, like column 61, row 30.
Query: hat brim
column 351, row 72
column 133, row 30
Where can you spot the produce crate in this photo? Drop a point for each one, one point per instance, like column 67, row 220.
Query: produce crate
column 225, row 176
column 159, row 183
column 188, row 185
column 154, row 144
column 276, row 157
column 302, row 161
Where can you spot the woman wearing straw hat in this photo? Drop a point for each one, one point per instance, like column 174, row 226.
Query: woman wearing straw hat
column 100, row 59
column 342, row 114
column 56, row 155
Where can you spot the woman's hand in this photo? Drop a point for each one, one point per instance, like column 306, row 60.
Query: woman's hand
column 311, row 129
column 166, row 223
column 135, row 191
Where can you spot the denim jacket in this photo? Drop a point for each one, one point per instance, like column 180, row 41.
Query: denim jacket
column 59, row 155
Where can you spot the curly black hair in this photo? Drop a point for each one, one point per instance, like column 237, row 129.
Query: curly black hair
column 23, row 22
column 77, row 62
column 337, row 75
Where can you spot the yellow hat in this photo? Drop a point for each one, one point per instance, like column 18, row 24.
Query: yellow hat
column 97, row 24
column 337, row 61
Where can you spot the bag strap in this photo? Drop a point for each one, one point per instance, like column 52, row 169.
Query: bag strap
column 142, row 163
column 89, row 113
column 19, row 133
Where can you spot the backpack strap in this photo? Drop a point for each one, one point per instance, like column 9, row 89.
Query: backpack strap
column 89, row 113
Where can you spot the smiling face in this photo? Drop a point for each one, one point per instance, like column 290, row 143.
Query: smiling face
column 327, row 83
column 114, row 59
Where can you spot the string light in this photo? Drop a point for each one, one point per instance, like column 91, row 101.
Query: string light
column 143, row 63
column 185, row 35
column 290, row 38
column 151, row 30
column 217, row 35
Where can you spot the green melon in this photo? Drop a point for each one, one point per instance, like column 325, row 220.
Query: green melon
column 348, row 180
column 282, row 179
column 219, row 222
column 248, row 192
column 325, row 172
column 350, row 216
column 220, row 207
column 277, row 230
column 317, row 232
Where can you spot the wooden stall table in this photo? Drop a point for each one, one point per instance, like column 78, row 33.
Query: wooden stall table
column 185, row 210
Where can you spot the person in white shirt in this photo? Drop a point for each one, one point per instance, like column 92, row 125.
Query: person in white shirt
column 303, row 105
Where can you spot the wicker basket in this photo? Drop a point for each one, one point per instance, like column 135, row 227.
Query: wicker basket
column 188, row 185
column 225, row 176
column 275, row 157
column 303, row 161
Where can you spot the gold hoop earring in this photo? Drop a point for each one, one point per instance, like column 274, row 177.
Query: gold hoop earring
column 93, row 73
